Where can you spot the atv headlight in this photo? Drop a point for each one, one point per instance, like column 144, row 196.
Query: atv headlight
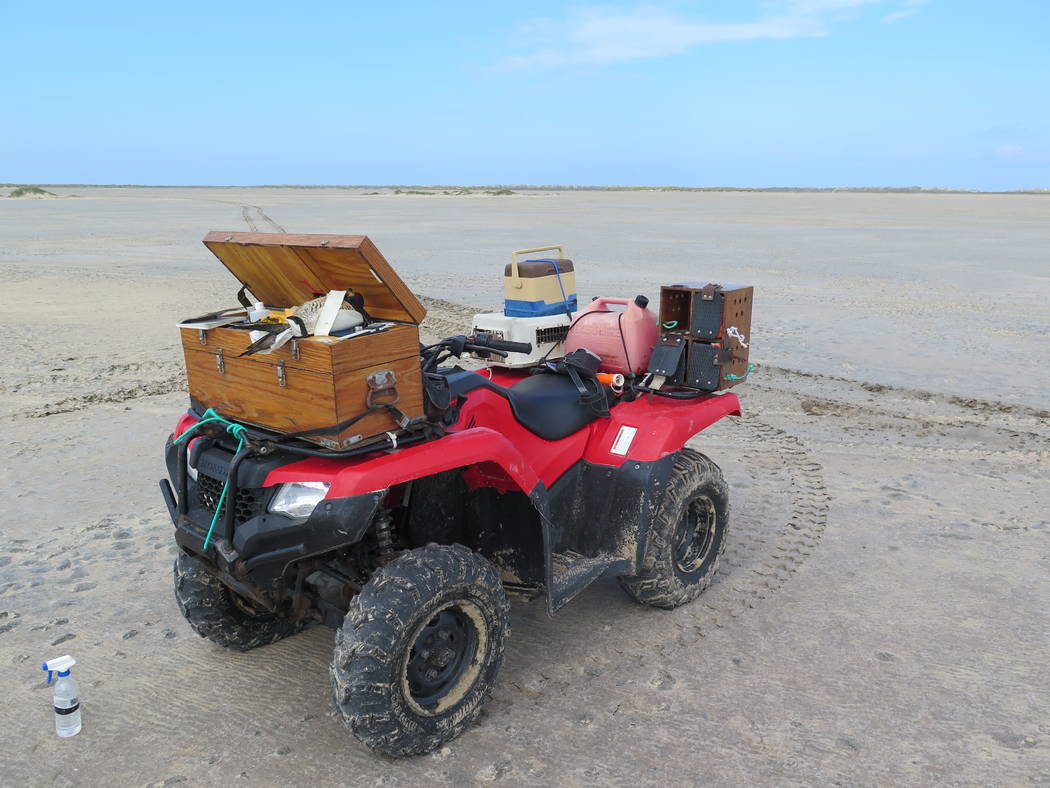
column 298, row 499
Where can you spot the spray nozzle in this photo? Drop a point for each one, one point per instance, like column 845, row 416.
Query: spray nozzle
column 60, row 665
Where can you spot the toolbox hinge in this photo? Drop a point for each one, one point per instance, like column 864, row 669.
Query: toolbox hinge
column 282, row 378
column 220, row 362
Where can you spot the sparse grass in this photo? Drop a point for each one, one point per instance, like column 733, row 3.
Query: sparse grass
column 458, row 191
column 31, row 191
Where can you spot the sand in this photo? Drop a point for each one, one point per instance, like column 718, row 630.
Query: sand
column 880, row 617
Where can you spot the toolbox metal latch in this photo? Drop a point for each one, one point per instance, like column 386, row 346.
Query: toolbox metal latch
column 382, row 388
column 282, row 377
column 220, row 362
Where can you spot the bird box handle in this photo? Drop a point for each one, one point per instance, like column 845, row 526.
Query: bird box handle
column 515, row 278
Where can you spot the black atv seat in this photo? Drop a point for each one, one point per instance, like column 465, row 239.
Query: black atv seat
column 546, row 405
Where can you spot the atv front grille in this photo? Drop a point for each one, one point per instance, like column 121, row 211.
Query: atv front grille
column 250, row 502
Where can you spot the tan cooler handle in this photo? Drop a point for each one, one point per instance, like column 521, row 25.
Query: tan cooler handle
column 514, row 278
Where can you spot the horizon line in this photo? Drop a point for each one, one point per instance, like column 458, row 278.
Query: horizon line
column 549, row 187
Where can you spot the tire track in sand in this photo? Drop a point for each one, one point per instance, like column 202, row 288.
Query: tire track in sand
column 779, row 507
column 778, row 519
column 253, row 213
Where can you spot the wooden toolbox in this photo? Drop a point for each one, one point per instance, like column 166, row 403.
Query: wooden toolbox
column 312, row 382
column 704, row 335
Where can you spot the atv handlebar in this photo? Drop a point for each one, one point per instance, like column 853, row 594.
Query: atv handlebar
column 489, row 342
column 483, row 345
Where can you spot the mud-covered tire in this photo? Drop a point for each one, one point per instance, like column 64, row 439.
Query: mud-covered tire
column 383, row 642
column 688, row 535
column 213, row 613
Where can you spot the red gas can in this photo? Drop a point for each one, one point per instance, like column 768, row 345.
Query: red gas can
column 623, row 339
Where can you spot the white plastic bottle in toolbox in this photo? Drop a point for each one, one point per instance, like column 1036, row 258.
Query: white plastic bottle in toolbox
column 67, row 696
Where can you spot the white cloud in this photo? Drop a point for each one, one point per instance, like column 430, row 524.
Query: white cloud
column 896, row 16
column 908, row 8
column 1009, row 151
column 602, row 35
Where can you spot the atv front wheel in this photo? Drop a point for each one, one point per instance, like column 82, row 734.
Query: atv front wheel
column 420, row 649
column 219, row 615
column 687, row 536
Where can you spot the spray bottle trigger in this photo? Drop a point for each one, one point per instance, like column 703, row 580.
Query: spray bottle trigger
column 60, row 665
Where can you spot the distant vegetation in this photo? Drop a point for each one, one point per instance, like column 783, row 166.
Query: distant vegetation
column 31, row 191
column 451, row 192
column 518, row 188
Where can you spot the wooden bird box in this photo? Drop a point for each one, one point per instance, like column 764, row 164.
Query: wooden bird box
column 318, row 381
column 704, row 340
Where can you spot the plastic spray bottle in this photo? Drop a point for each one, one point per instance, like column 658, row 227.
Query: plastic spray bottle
column 67, row 696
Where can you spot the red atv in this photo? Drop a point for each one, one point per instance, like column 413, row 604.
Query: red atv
column 522, row 483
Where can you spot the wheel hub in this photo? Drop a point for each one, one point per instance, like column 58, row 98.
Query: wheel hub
column 442, row 651
column 695, row 535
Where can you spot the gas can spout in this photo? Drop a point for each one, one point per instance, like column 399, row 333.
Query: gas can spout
column 59, row 665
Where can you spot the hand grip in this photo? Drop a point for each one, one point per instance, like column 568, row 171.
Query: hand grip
column 484, row 340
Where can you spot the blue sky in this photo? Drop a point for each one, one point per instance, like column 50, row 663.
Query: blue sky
column 775, row 93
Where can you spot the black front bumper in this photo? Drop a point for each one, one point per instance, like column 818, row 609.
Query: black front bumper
column 249, row 546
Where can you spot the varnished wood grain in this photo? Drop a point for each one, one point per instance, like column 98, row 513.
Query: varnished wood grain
column 339, row 356
column 283, row 269
column 314, row 356
column 351, row 393
column 249, row 391
column 355, row 353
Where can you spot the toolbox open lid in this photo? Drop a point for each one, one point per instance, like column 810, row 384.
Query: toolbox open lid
column 284, row 270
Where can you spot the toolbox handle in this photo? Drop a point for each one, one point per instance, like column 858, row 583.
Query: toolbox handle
column 515, row 279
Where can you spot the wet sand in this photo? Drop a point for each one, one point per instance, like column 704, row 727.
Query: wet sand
column 880, row 617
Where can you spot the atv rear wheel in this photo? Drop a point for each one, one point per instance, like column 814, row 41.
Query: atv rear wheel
column 420, row 649
column 687, row 536
column 219, row 615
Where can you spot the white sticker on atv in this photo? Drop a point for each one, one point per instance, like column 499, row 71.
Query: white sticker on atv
column 624, row 439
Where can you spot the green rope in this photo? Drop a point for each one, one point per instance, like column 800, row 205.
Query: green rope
column 741, row 377
column 670, row 324
column 237, row 431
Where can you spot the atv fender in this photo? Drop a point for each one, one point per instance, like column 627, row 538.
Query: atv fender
column 646, row 431
column 455, row 450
